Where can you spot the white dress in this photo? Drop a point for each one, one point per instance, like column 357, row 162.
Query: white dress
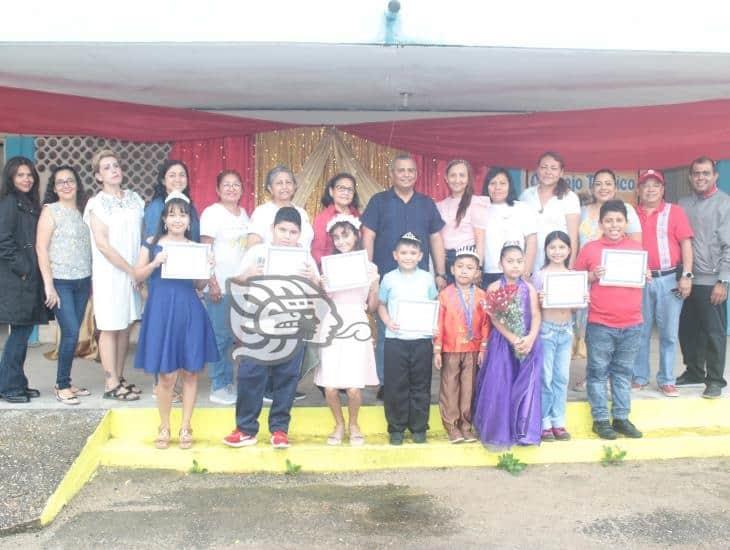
column 116, row 303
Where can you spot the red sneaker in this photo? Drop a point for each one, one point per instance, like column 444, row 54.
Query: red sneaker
column 237, row 438
column 669, row 390
column 279, row 440
column 561, row 434
column 547, row 435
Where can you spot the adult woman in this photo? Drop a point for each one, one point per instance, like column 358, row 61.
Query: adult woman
column 339, row 197
column 115, row 218
column 172, row 176
column 458, row 213
column 506, row 220
column 281, row 185
column 556, row 206
column 63, row 245
column 21, row 299
column 223, row 225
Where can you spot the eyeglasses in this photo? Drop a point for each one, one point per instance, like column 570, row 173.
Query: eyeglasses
column 65, row 183
column 231, row 186
column 345, row 189
column 705, row 173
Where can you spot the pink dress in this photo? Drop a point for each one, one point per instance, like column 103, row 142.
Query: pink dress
column 349, row 362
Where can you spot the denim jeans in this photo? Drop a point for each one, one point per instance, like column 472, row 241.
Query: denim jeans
column 661, row 306
column 12, row 377
column 611, row 355
column 73, row 293
column 557, row 344
column 220, row 372
column 252, row 379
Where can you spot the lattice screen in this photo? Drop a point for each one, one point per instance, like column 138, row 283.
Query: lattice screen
column 140, row 161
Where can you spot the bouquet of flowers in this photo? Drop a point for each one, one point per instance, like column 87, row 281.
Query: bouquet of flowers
column 505, row 306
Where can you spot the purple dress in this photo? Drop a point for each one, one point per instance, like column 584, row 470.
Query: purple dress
column 507, row 398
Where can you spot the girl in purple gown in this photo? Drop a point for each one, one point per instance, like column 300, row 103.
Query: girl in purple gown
column 507, row 398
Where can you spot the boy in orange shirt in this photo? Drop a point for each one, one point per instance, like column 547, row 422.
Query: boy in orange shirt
column 459, row 346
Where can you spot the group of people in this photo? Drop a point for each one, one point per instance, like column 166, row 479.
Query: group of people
column 503, row 358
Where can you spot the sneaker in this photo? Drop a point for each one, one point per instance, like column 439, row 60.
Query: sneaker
column 223, row 396
column 712, row 391
column 469, row 435
column 547, row 435
column 396, row 438
column 561, row 434
column 418, row 437
column 279, row 440
column 669, row 390
column 298, row 396
column 685, row 379
column 455, row 436
column 625, row 427
column 237, row 438
column 636, row 386
column 604, row 430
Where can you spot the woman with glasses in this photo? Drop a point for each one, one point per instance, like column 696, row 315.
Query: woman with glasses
column 339, row 197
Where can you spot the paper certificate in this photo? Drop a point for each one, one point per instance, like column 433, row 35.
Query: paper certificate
column 285, row 260
column 624, row 267
column 418, row 316
column 566, row 289
column 186, row 261
column 344, row 271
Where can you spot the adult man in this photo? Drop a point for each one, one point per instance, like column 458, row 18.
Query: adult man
column 667, row 237
column 703, row 323
column 393, row 213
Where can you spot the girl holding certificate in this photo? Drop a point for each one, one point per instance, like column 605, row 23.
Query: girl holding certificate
column 348, row 363
column 176, row 335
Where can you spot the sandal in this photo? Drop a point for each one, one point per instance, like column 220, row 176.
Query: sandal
column 66, row 399
column 116, row 393
column 80, row 392
column 356, row 438
column 186, row 438
column 335, row 438
column 163, row 438
column 130, row 387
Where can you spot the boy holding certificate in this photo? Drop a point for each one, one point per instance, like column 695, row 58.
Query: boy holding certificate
column 460, row 344
column 613, row 335
column 407, row 355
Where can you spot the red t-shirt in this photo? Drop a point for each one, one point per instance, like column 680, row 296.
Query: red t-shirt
column 612, row 306
column 678, row 229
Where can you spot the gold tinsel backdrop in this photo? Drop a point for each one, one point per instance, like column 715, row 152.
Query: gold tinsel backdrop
column 293, row 147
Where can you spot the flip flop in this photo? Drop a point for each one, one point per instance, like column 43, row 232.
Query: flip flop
column 335, row 438
column 357, row 440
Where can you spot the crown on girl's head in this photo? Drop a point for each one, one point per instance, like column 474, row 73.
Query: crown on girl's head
column 177, row 195
column 467, row 250
column 410, row 237
column 510, row 244
column 343, row 218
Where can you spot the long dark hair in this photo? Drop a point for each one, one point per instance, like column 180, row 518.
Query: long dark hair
column 561, row 236
column 493, row 173
column 180, row 204
column 465, row 201
column 8, row 185
column 160, row 191
column 51, row 196
column 561, row 188
column 346, row 225
column 327, row 199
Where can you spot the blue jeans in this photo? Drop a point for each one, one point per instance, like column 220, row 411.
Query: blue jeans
column 252, row 378
column 661, row 306
column 220, row 372
column 557, row 344
column 380, row 349
column 73, row 293
column 12, row 377
column 611, row 354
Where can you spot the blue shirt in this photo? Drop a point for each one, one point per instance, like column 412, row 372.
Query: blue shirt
column 390, row 218
column 151, row 220
column 396, row 285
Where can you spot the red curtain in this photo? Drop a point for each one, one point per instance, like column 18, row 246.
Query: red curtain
column 205, row 159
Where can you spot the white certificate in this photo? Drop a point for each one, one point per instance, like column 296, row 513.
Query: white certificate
column 285, row 260
column 186, row 261
column 344, row 271
column 624, row 267
column 566, row 289
column 419, row 316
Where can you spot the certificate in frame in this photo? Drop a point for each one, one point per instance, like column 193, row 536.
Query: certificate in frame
column 565, row 289
column 346, row 271
column 284, row 260
column 417, row 316
column 186, row 261
column 625, row 268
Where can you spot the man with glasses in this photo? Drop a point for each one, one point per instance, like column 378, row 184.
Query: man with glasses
column 703, row 323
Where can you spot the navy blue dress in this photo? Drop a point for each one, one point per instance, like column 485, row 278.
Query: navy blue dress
column 176, row 332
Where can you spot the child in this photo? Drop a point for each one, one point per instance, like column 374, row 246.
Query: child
column 176, row 334
column 460, row 343
column 556, row 333
column 507, row 397
column 348, row 363
column 407, row 356
column 284, row 376
column 613, row 334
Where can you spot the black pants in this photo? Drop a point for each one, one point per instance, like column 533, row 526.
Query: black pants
column 407, row 387
column 703, row 336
